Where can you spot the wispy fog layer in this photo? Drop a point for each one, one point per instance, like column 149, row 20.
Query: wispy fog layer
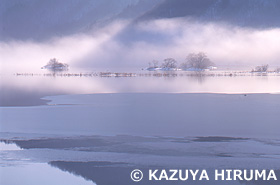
column 30, row 56
column 132, row 45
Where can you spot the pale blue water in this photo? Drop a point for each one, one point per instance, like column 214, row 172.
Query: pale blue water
column 63, row 138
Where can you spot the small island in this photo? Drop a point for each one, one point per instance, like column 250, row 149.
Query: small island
column 194, row 62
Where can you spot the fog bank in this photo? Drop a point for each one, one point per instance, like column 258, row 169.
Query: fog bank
column 126, row 45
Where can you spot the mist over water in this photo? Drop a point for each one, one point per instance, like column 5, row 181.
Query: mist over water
column 28, row 90
column 199, row 121
column 127, row 44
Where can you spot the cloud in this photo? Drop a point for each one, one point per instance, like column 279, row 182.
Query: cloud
column 125, row 45
column 176, row 38
column 30, row 56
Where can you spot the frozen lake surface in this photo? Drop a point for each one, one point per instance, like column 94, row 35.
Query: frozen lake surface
column 145, row 114
column 110, row 159
column 112, row 126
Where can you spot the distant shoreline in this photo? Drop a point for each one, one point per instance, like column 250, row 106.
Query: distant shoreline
column 154, row 74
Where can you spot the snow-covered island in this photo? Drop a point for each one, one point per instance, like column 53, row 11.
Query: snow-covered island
column 194, row 62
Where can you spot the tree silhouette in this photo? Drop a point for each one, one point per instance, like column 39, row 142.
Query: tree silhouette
column 55, row 66
column 197, row 61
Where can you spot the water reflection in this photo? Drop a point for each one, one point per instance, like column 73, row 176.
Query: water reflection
column 27, row 90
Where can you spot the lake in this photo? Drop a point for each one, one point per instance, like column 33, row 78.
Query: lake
column 77, row 130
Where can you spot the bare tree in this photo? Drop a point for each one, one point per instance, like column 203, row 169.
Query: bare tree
column 170, row 63
column 262, row 68
column 153, row 64
column 55, row 66
column 197, row 61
